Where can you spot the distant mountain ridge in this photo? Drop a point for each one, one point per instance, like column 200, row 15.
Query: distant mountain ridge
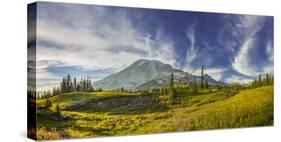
column 146, row 74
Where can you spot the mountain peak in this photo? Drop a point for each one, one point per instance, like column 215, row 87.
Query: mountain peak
column 142, row 60
column 145, row 73
column 137, row 73
column 148, row 61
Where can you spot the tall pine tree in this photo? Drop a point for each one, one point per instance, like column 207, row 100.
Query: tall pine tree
column 206, row 84
column 202, row 77
column 172, row 89
column 194, row 86
column 68, row 83
column 74, row 85
column 260, row 81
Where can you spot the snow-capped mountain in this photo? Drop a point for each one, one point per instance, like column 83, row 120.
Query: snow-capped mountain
column 144, row 74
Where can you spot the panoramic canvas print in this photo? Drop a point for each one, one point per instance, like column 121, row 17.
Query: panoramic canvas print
column 96, row 71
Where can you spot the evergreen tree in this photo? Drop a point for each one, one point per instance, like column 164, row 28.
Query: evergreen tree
column 68, row 83
column 100, row 89
column 272, row 80
column 84, row 85
column 172, row 90
column 63, row 85
column 78, row 89
column 58, row 90
column 267, row 79
column 194, row 86
column 87, row 84
column 81, row 85
column 55, row 92
column 44, row 94
column 260, row 81
column 49, row 93
column 91, row 89
column 172, row 81
column 74, row 85
column 171, row 85
column 254, row 84
column 202, row 77
column 206, row 84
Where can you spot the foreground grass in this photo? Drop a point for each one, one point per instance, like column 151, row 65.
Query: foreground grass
column 247, row 109
column 220, row 109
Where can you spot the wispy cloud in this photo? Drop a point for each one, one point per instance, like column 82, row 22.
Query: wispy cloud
column 161, row 48
column 238, row 79
column 192, row 51
column 98, row 35
column 242, row 63
column 94, row 39
column 247, row 27
column 268, row 68
column 216, row 73
column 269, row 51
column 104, row 40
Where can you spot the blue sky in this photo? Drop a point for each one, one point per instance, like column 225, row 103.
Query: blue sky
column 95, row 41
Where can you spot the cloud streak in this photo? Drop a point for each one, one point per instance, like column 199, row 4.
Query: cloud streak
column 192, row 51
column 94, row 39
column 241, row 62
column 244, row 63
column 238, row 79
column 216, row 73
column 104, row 40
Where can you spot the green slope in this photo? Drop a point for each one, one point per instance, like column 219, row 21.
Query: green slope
column 219, row 109
column 246, row 109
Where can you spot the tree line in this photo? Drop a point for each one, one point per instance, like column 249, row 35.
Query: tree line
column 68, row 85
column 262, row 81
column 203, row 82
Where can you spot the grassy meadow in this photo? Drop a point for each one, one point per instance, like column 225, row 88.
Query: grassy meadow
column 111, row 113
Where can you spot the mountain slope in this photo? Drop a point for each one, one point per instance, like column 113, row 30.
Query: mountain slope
column 136, row 74
column 147, row 74
column 181, row 77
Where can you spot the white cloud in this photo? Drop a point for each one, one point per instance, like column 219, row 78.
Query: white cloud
column 268, row 68
column 241, row 61
column 247, row 27
column 239, row 79
column 91, row 41
column 161, row 49
column 90, row 38
column 216, row 73
column 269, row 51
column 192, row 52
